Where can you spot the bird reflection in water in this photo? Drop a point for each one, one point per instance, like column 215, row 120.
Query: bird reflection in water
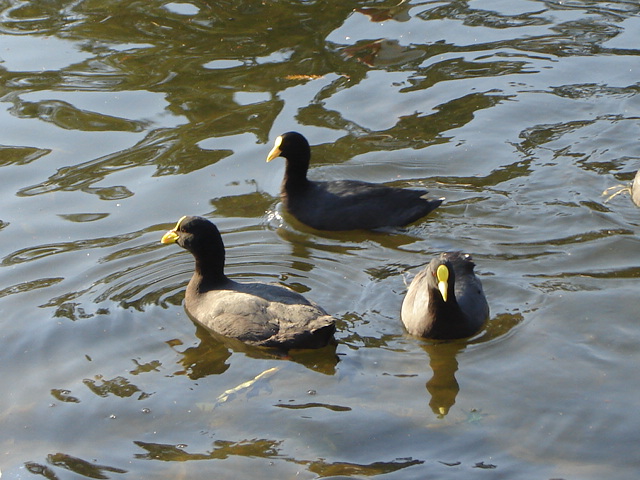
column 210, row 356
column 443, row 387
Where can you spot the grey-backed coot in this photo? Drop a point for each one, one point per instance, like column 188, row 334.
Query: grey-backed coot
column 342, row 204
column 445, row 300
column 259, row 314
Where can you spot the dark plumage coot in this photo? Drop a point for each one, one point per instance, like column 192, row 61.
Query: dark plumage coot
column 256, row 313
column 445, row 300
column 342, row 204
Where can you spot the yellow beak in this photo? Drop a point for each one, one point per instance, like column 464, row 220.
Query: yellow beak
column 275, row 151
column 443, row 281
column 172, row 235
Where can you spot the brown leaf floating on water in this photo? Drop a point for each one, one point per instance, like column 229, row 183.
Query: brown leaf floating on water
column 303, row 77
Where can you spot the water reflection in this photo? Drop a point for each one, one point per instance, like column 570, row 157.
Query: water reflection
column 383, row 52
column 304, row 406
column 78, row 466
column 83, row 217
column 67, row 116
column 211, row 355
column 399, row 12
column 268, row 449
column 64, row 395
column 443, row 387
column 123, row 102
column 250, row 205
column 36, row 253
column 118, row 386
column 30, row 286
column 207, row 358
column 346, row 469
column 259, row 448
column 20, row 155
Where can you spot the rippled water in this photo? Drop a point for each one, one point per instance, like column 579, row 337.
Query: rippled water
column 117, row 118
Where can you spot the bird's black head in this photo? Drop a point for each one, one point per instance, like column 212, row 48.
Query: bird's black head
column 441, row 277
column 290, row 145
column 442, row 272
column 200, row 237
column 295, row 149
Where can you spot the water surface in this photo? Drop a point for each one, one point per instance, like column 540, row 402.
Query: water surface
column 118, row 118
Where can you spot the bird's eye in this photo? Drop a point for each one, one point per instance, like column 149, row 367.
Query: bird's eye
column 178, row 227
